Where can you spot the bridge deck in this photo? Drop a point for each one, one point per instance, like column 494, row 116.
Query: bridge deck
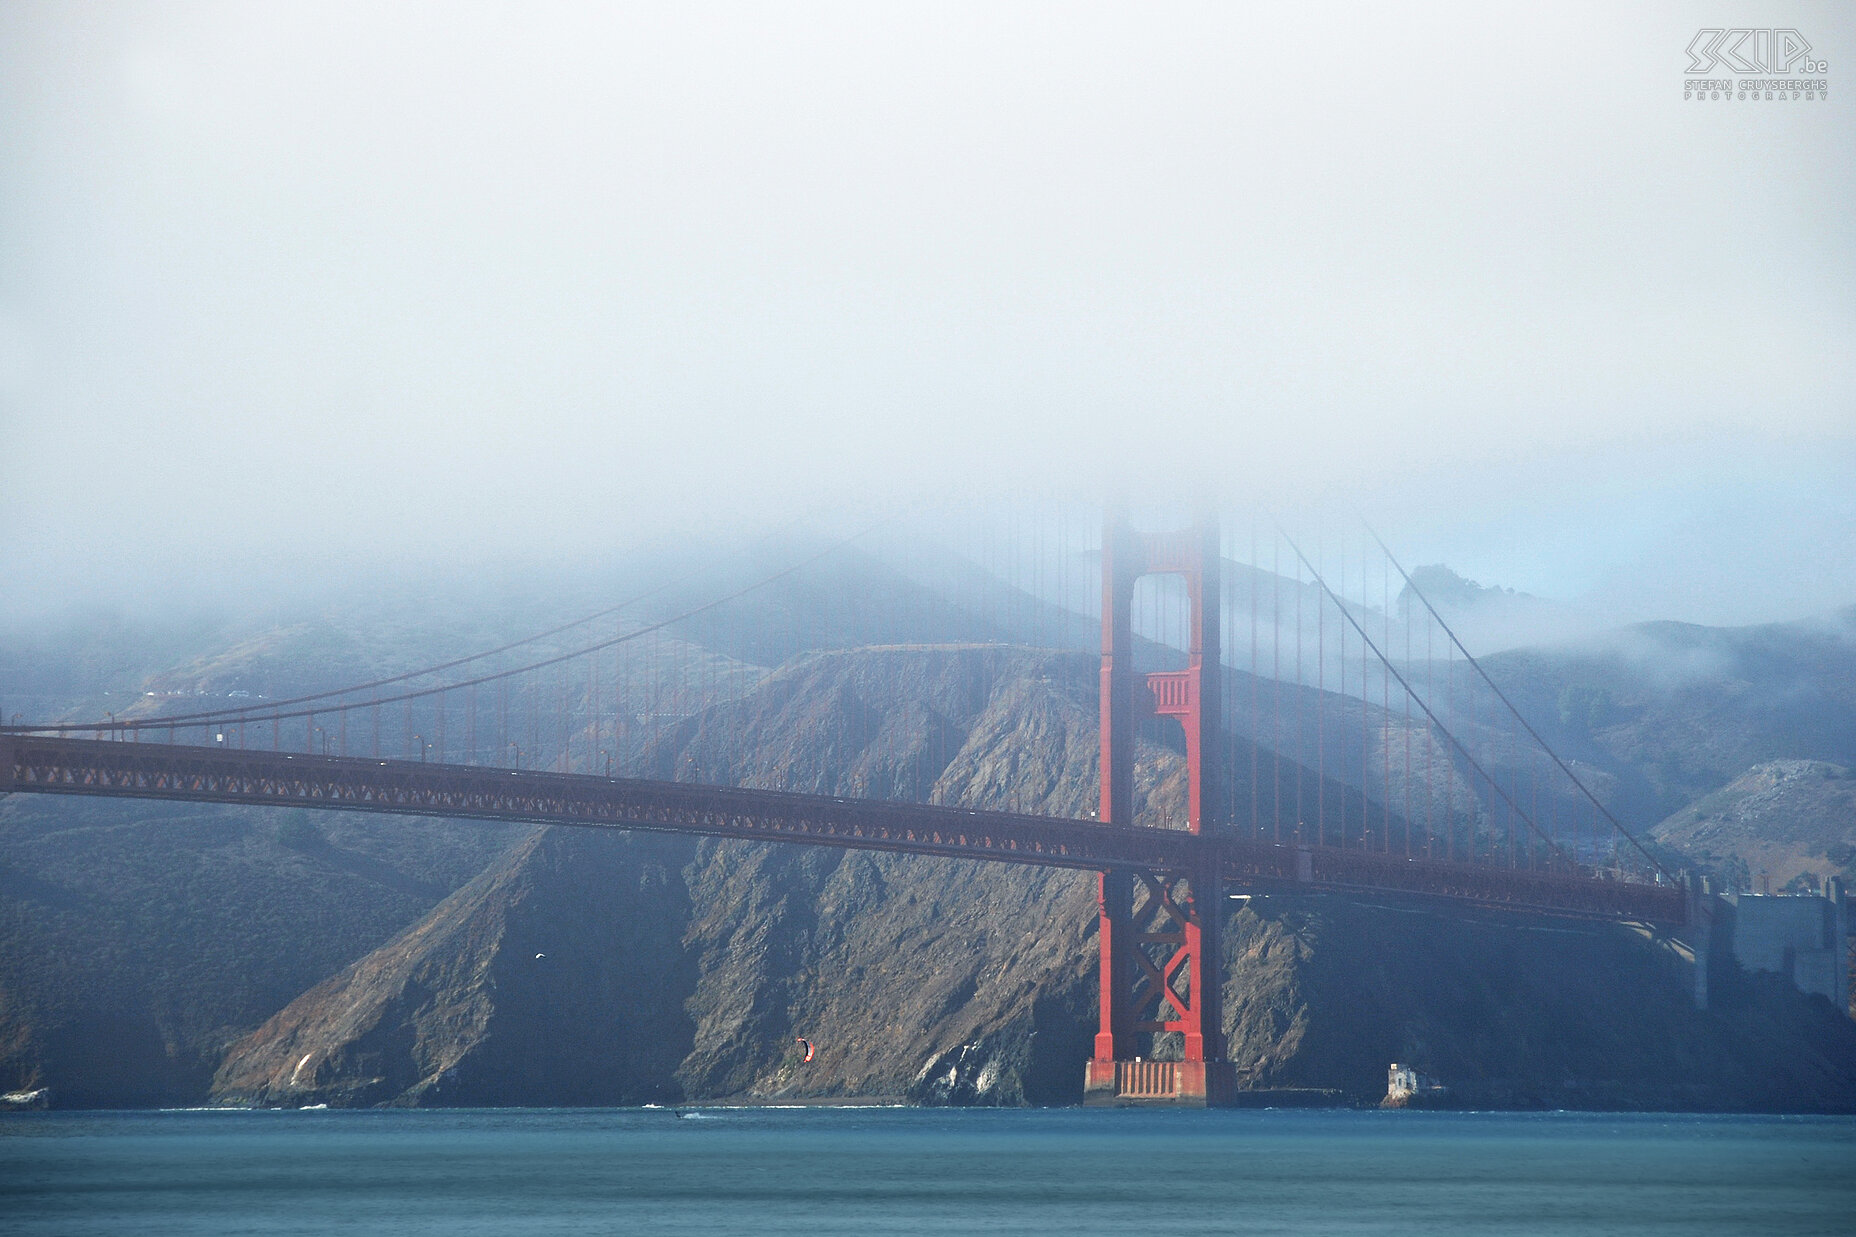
column 57, row 765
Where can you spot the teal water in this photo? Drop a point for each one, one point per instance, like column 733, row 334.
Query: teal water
column 877, row 1171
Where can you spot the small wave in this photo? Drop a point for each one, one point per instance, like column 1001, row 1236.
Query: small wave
column 217, row 1108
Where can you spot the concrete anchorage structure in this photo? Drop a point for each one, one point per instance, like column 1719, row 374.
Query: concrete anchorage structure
column 1803, row 937
column 1157, row 927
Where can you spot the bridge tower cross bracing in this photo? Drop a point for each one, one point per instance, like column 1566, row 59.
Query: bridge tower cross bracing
column 1149, row 943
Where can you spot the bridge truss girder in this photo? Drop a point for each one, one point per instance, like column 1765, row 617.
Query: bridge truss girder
column 100, row 768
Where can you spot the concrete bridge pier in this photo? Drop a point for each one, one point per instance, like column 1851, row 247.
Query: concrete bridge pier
column 1162, row 1084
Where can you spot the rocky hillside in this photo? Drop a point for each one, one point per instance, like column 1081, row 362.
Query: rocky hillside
column 596, row 969
column 1789, row 822
column 349, row 959
column 671, row 972
column 552, row 980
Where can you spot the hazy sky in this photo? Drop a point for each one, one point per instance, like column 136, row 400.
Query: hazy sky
column 299, row 288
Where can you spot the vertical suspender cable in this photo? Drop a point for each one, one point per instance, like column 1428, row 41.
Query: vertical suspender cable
column 1385, row 684
column 1321, row 706
column 1301, row 729
column 1256, row 722
column 1276, row 682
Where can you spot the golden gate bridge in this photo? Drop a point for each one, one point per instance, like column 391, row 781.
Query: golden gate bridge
column 1325, row 742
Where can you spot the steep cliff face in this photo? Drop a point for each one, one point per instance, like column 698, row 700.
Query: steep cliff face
column 890, row 966
column 887, row 963
column 138, row 939
column 552, row 978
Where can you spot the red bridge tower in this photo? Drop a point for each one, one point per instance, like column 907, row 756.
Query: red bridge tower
column 1159, row 929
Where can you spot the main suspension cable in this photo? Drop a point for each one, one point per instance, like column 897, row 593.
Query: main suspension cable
column 1503, row 697
column 275, row 713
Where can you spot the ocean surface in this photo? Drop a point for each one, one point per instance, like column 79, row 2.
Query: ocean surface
column 875, row 1171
